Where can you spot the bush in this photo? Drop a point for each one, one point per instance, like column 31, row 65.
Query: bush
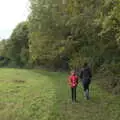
column 109, row 76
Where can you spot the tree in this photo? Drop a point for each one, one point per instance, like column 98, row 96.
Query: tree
column 18, row 48
column 69, row 29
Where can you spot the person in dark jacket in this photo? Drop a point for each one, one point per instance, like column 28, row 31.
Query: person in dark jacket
column 86, row 75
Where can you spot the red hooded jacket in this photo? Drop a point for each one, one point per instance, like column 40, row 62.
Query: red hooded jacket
column 73, row 80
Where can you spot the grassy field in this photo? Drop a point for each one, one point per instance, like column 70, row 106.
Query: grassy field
column 41, row 95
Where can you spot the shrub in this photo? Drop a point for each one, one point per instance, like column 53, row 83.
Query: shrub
column 109, row 76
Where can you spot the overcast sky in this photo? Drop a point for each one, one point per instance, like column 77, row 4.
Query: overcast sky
column 12, row 12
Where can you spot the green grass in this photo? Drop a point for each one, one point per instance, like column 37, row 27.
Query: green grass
column 41, row 95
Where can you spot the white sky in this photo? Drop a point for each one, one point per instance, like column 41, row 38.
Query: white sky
column 12, row 12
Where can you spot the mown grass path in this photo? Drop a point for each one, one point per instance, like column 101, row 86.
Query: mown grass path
column 41, row 95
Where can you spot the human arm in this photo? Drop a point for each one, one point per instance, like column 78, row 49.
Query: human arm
column 81, row 74
column 90, row 73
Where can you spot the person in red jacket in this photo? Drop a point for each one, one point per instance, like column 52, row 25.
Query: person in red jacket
column 73, row 82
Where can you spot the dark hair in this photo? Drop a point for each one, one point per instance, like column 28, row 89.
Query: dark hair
column 85, row 64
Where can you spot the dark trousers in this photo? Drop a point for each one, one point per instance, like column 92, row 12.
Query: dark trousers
column 86, row 84
column 73, row 94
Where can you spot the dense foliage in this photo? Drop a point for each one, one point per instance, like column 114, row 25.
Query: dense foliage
column 64, row 34
column 17, row 47
column 74, row 32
